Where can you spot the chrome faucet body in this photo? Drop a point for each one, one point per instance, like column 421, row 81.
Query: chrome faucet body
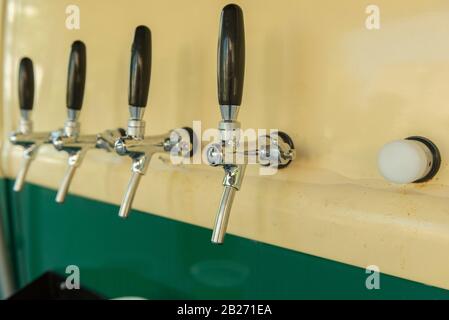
column 276, row 150
column 141, row 149
column 69, row 140
column 31, row 142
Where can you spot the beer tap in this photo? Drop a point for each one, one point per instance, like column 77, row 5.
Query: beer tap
column 24, row 136
column 135, row 144
column 276, row 150
column 69, row 138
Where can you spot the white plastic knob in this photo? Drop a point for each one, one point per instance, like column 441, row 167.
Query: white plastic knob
column 404, row 161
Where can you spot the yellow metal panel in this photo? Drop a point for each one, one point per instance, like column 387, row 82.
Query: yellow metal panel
column 312, row 69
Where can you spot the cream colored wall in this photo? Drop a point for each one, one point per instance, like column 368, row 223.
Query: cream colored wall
column 312, row 70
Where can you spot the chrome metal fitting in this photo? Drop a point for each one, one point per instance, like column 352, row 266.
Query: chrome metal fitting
column 31, row 143
column 232, row 182
column 72, row 125
column 214, row 154
column 140, row 164
column 234, row 176
column 136, row 126
column 107, row 139
column 228, row 126
column 71, row 128
column 276, row 150
column 25, row 124
column 176, row 142
column 136, row 129
column 120, row 147
column 229, row 112
column 56, row 139
column 179, row 143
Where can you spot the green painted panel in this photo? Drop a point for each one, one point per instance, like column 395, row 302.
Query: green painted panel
column 4, row 223
column 159, row 258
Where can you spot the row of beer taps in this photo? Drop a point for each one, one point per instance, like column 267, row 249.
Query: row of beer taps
column 131, row 142
column 277, row 151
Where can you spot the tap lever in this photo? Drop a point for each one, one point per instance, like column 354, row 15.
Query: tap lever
column 26, row 84
column 231, row 57
column 75, row 88
column 76, row 76
column 140, row 70
column 139, row 81
column 26, row 95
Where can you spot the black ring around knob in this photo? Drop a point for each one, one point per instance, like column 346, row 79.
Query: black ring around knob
column 286, row 139
column 436, row 157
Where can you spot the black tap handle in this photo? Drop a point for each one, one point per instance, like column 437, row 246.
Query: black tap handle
column 76, row 76
column 231, row 56
column 140, row 73
column 26, row 84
